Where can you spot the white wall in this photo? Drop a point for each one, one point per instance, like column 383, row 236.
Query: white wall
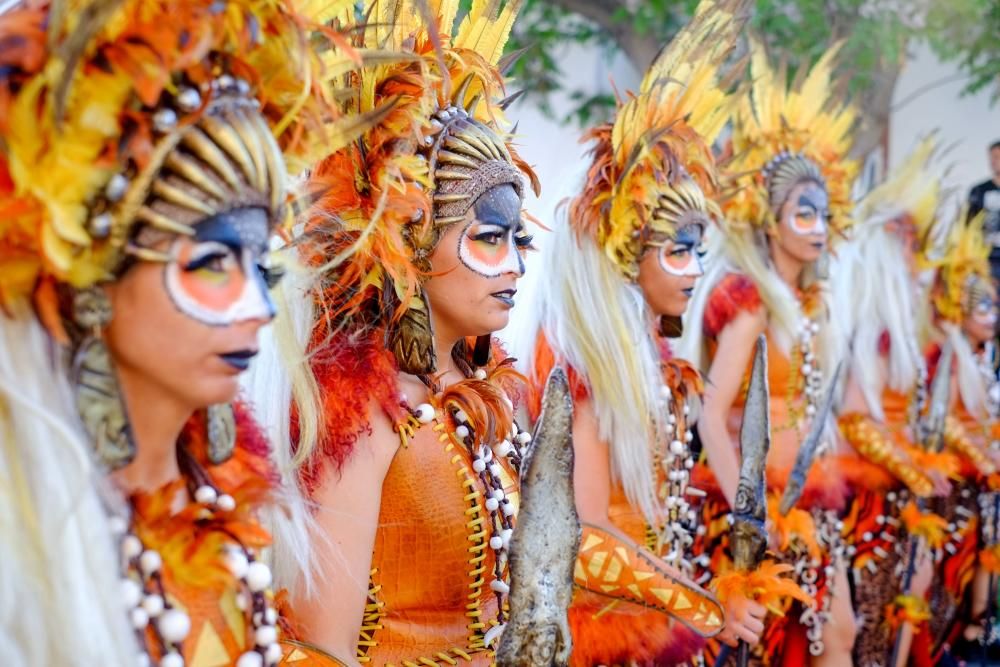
column 927, row 98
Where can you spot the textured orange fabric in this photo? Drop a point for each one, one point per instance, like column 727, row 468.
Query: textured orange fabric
column 432, row 563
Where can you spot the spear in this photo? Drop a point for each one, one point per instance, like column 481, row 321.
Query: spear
column 807, row 451
column 748, row 536
column 932, row 430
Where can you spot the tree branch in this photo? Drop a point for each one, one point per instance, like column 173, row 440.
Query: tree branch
column 639, row 49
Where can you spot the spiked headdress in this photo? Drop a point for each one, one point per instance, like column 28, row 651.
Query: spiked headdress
column 439, row 147
column 653, row 168
column 120, row 115
column 963, row 277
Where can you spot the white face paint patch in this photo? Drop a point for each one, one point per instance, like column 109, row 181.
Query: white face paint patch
column 490, row 250
column 215, row 277
column 680, row 255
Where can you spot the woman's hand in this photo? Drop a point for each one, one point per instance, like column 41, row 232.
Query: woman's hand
column 923, row 571
column 744, row 620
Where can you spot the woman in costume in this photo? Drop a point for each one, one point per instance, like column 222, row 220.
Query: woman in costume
column 414, row 481
column 879, row 305
column 141, row 177
column 619, row 274
column 964, row 303
column 789, row 150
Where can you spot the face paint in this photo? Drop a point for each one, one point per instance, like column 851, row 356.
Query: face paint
column 985, row 311
column 216, row 277
column 491, row 245
column 810, row 212
column 681, row 256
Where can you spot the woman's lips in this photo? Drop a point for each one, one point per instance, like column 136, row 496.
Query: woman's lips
column 688, row 292
column 240, row 360
column 505, row 297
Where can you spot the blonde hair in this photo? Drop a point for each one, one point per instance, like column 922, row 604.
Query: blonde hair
column 60, row 600
column 875, row 293
column 598, row 324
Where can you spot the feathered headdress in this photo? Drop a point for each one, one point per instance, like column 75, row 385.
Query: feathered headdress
column 383, row 201
column 784, row 135
column 912, row 191
column 963, row 277
column 653, row 168
column 121, row 114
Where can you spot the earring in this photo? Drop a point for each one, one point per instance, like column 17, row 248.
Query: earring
column 96, row 390
column 221, row 423
column 411, row 339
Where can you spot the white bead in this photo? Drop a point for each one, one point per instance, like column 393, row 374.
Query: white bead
column 206, row 495
column 250, row 659
column 237, row 563
column 172, row 659
column 131, row 593
column 689, row 464
column 500, row 586
column 153, row 604
column 814, row 327
column 807, row 369
column 496, row 543
column 462, row 432
column 189, row 100
column 664, row 391
column 164, row 120
column 687, row 409
column 226, row 503
column 505, row 535
column 242, row 601
column 117, row 525
column 479, row 465
column 688, row 436
column 425, row 413
column 486, row 453
column 480, row 374
column 508, row 509
column 273, row 654
column 495, row 470
column 139, row 618
column 258, row 577
column 523, row 438
column 270, row 616
column 492, row 504
column 131, row 547
column 461, row 417
column 498, row 494
column 174, row 626
column 150, row 562
column 671, row 419
column 504, row 448
column 676, row 447
column 265, row 635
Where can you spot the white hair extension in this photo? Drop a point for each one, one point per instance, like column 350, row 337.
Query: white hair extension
column 60, row 600
column 598, row 323
column 971, row 387
column 268, row 386
column 873, row 281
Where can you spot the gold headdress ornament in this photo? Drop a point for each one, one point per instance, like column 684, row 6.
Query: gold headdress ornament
column 912, row 191
column 785, row 135
column 963, row 277
column 420, row 169
column 119, row 115
column 653, row 169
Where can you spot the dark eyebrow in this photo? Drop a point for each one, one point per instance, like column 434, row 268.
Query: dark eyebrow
column 808, row 203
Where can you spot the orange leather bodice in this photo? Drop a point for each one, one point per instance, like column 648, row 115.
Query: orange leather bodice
column 432, row 565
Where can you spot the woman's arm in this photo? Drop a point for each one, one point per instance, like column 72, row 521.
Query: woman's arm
column 592, row 484
column 348, row 503
column 725, row 377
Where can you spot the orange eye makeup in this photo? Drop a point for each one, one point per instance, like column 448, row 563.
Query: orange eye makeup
column 492, row 249
column 810, row 214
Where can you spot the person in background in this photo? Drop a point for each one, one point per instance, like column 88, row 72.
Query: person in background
column 986, row 197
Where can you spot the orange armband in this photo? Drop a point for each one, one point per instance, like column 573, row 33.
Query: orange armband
column 620, row 569
column 869, row 441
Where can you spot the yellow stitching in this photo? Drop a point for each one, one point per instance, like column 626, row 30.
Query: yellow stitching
column 429, row 662
column 443, row 656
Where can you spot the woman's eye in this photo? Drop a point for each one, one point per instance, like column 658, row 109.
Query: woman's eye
column 272, row 275
column 216, row 262
column 489, row 238
column 524, row 241
column 701, row 252
column 806, row 213
column 682, row 251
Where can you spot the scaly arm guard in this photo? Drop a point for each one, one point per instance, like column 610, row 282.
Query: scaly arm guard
column 618, row 568
column 957, row 439
column 869, row 441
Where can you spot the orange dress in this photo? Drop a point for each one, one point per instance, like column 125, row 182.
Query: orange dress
column 812, row 528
